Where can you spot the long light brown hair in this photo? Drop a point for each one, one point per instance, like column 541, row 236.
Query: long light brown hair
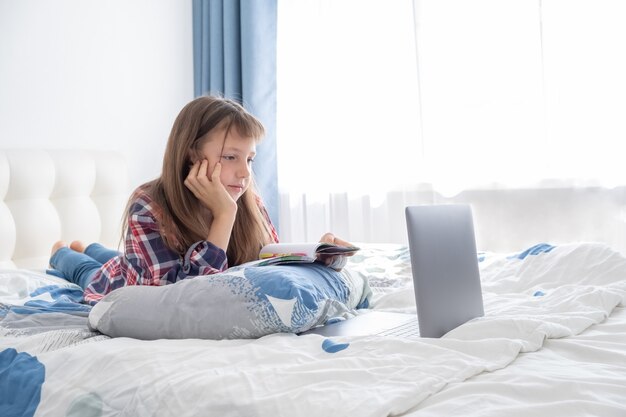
column 183, row 219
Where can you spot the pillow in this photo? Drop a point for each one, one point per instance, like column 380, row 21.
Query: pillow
column 243, row 302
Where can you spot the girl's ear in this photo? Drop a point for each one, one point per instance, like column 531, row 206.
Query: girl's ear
column 193, row 155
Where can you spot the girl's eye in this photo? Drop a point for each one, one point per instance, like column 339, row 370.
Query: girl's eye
column 250, row 160
column 228, row 157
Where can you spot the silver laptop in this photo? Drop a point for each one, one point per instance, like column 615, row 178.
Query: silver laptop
column 446, row 280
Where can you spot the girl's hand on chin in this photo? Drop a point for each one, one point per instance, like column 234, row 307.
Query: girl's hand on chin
column 210, row 190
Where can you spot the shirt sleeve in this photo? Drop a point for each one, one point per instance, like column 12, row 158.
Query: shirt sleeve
column 148, row 261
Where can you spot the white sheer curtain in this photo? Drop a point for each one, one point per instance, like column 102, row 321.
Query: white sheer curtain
column 514, row 106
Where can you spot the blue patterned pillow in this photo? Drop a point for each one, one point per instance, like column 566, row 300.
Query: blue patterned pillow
column 242, row 302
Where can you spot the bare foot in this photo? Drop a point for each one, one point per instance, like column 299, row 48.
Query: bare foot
column 77, row 246
column 58, row 245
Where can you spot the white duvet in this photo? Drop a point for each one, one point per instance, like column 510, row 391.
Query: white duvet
column 529, row 303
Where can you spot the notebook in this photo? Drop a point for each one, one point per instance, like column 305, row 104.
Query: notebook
column 446, row 278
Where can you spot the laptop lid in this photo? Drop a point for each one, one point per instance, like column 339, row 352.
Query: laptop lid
column 444, row 263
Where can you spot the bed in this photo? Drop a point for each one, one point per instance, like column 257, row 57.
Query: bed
column 552, row 341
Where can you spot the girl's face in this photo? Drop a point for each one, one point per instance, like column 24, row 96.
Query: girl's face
column 235, row 153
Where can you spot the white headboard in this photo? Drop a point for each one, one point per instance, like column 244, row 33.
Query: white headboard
column 50, row 195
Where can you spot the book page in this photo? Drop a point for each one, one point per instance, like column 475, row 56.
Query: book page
column 274, row 250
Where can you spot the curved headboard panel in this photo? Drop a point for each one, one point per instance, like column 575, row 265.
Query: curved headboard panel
column 50, row 195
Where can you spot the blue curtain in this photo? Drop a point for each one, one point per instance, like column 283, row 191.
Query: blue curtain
column 234, row 51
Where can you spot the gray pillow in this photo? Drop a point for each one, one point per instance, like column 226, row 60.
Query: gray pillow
column 242, row 302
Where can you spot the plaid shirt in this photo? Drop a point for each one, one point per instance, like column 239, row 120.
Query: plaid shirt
column 148, row 261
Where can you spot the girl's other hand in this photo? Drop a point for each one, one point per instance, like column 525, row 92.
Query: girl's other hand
column 210, row 190
column 332, row 239
column 336, row 262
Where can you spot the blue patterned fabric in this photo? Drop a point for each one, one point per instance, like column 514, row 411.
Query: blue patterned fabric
column 21, row 378
column 534, row 250
column 50, row 299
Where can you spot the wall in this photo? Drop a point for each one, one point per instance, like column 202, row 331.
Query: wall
column 107, row 75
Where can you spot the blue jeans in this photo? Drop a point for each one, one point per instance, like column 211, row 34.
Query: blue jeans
column 77, row 267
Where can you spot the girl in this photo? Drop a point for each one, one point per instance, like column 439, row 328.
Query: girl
column 199, row 216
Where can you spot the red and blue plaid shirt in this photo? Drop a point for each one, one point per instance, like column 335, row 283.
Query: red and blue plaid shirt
column 147, row 260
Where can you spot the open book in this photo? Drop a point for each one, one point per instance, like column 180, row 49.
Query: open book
column 331, row 255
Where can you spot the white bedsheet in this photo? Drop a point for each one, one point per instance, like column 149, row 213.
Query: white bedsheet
column 579, row 375
column 519, row 358
column 583, row 375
